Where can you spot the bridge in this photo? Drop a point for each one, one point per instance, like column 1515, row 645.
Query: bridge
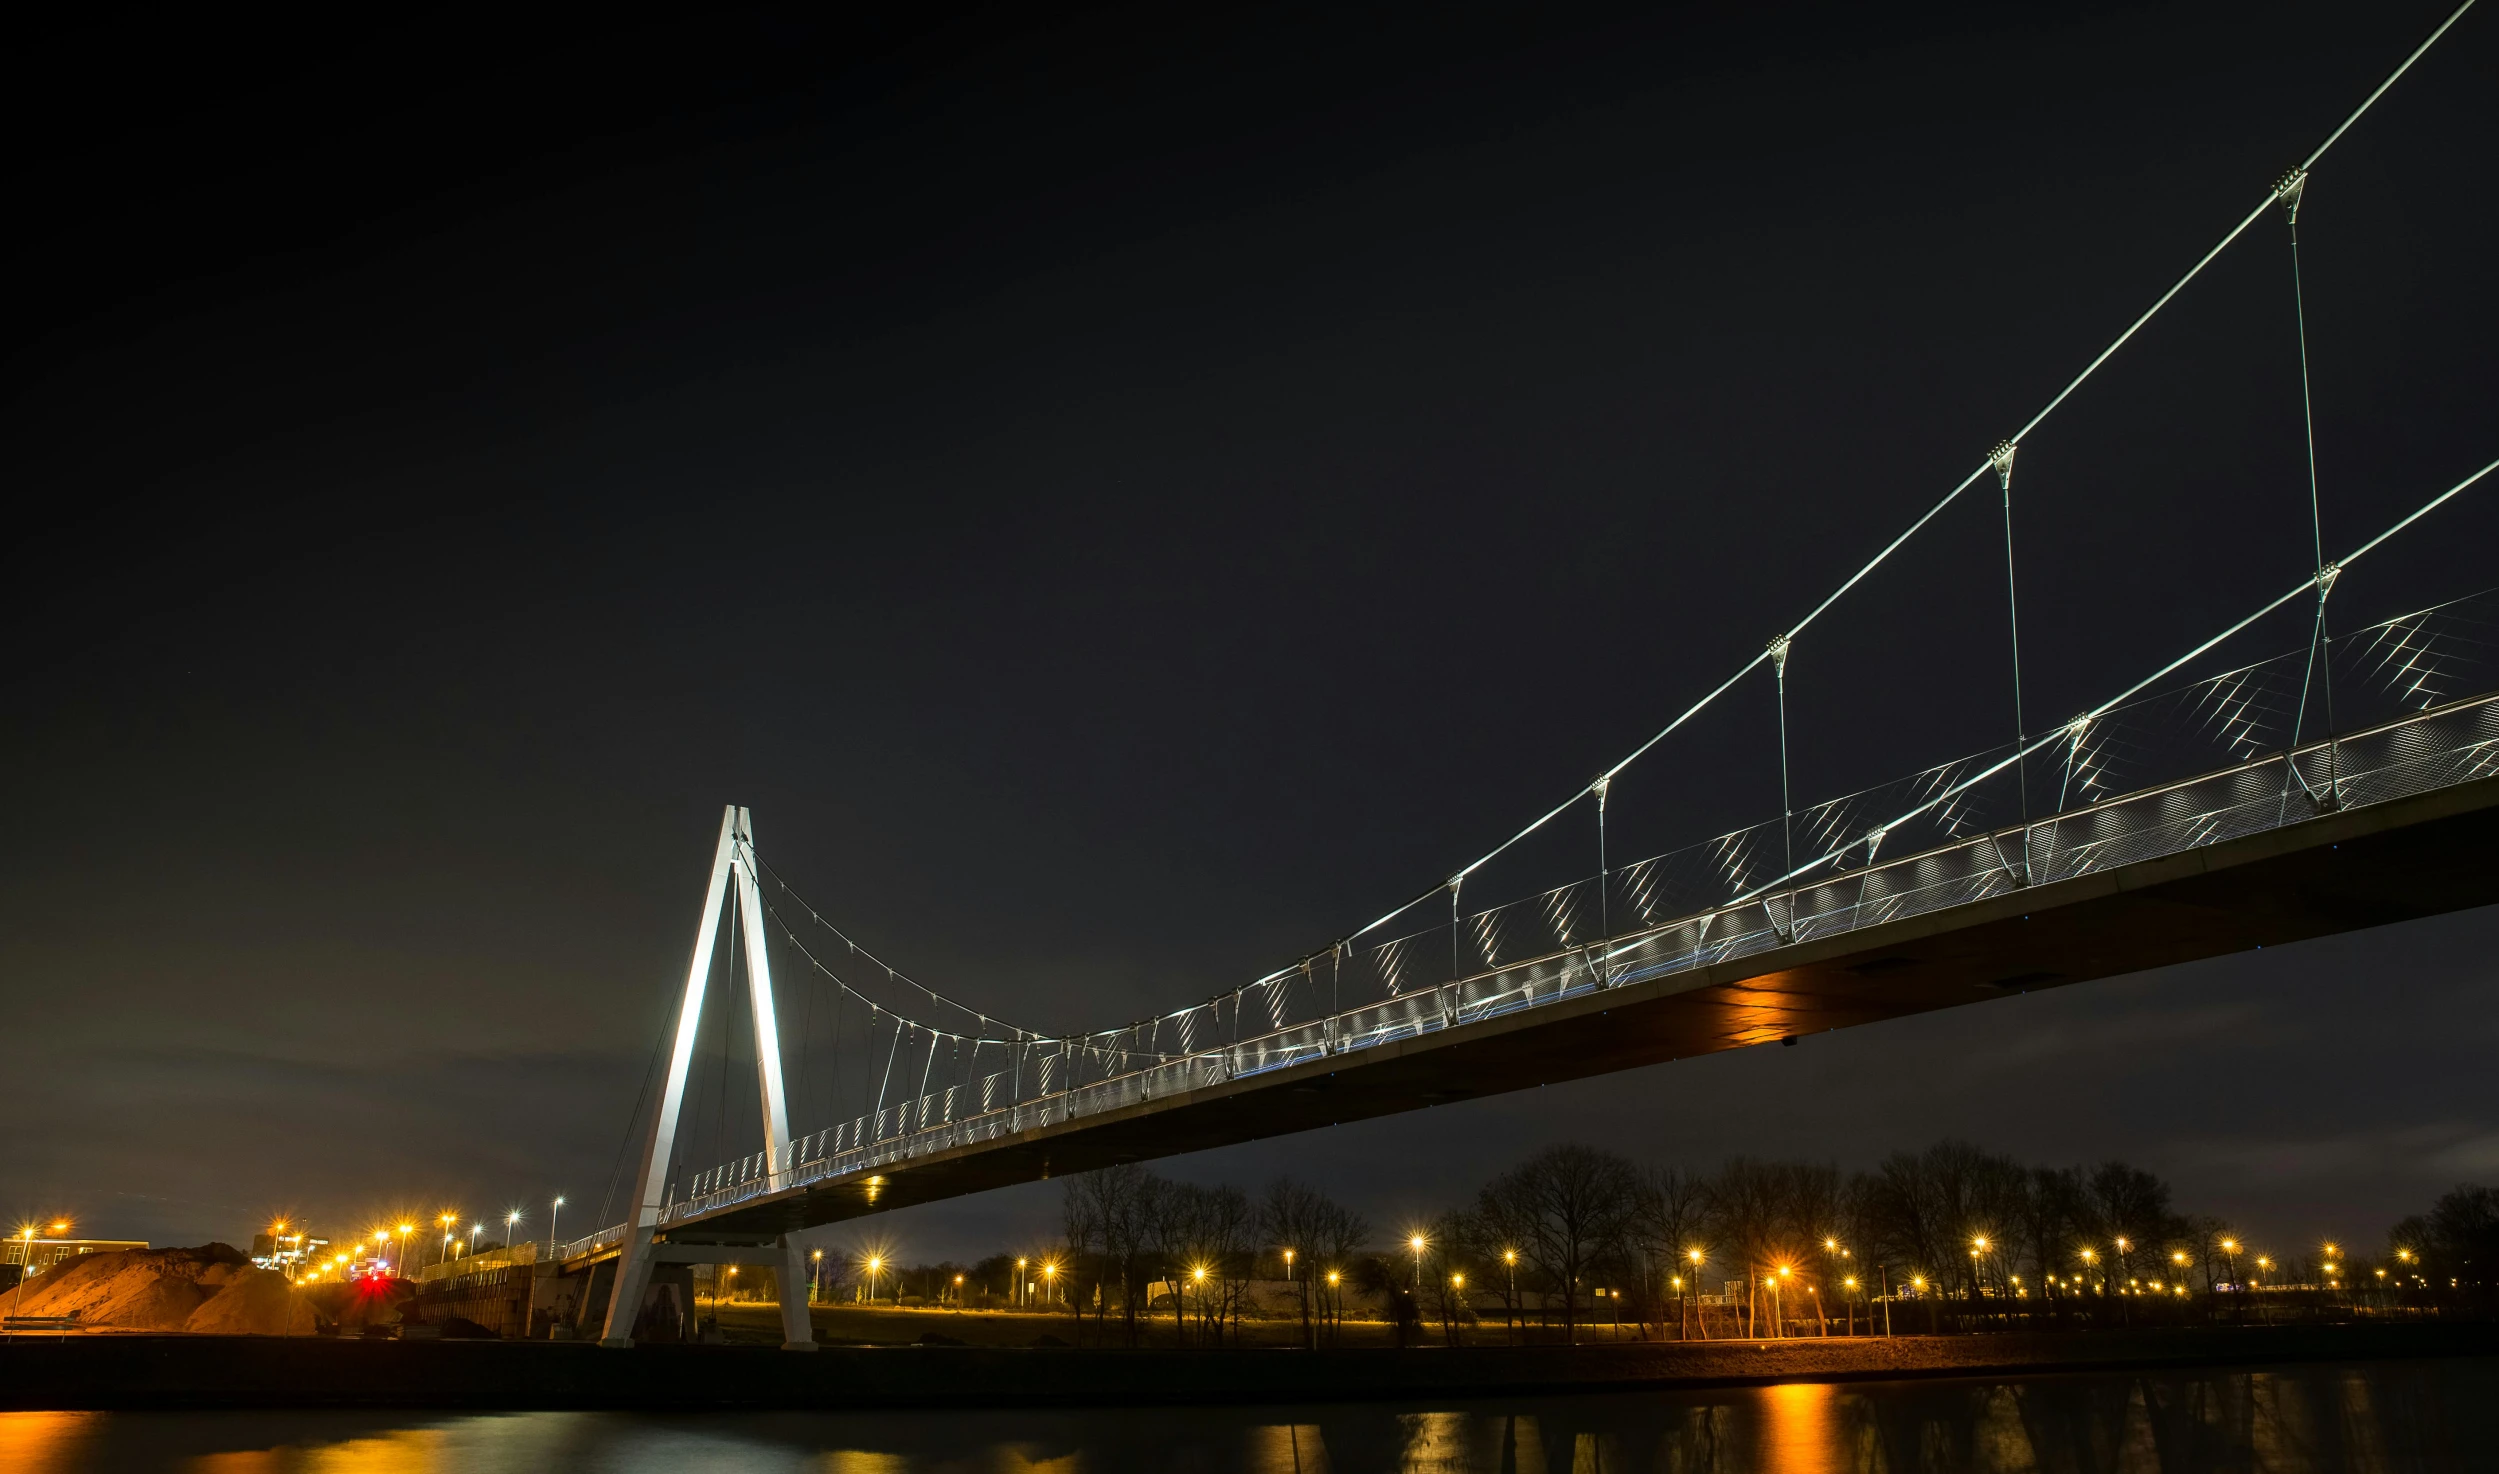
column 2219, row 803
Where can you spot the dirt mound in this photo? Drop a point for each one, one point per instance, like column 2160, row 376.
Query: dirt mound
column 211, row 1288
column 261, row 1303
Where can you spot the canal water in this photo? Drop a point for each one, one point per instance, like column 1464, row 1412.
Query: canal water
column 2381, row 1416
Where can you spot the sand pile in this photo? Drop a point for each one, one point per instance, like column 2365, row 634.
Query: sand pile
column 213, row 1288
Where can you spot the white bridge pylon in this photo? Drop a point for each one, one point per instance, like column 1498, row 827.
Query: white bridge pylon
column 733, row 865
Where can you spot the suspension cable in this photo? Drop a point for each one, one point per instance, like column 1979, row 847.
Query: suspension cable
column 2003, row 459
column 896, row 975
column 2089, row 369
column 2293, row 189
column 2302, row 587
column 1997, row 461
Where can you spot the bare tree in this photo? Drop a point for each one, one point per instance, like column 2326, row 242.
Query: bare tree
column 1221, row 1244
column 1747, row 1204
column 1337, row 1238
column 1113, row 1208
column 1168, row 1223
column 1567, row 1208
column 1669, row 1225
column 1293, row 1218
column 1081, row 1226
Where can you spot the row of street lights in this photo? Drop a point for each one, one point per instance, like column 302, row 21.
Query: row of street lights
column 385, row 1238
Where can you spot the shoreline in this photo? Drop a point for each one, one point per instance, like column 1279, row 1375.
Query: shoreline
column 98, row 1372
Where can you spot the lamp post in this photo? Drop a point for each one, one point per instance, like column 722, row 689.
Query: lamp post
column 511, row 1221
column 2125, row 1312
column 1019, row 1297
column 25, row 1266
column 1417, row 1244
column 1699, row 1313
column 1301, row 1296
column 1509, row 1259
column 554, row 1207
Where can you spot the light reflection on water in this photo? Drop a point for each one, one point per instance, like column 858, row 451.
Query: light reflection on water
column 2390, row 1416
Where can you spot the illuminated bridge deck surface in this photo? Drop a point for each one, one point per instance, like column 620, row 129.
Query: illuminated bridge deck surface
column 2407, row 858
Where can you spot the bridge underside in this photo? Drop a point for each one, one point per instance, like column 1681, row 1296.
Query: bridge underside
column 2385, row 863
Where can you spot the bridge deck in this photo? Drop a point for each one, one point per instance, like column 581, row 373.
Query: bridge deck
column 2395, row 861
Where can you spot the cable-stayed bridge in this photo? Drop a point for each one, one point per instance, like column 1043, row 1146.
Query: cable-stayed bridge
column 2221, row 802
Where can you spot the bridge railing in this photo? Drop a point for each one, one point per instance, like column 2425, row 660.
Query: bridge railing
column 591, row 1243
column 1966, row 841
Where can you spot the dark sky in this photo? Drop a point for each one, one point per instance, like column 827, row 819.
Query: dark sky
column 1126, row 499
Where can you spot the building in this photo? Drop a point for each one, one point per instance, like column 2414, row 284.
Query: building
column 27, row 1254
column 287, row 1252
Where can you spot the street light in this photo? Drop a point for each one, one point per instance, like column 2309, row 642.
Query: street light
column 1417, row 1243
column 1019, row 1283
column 553, row 1207
column 25, row 1266
column 511, row 1220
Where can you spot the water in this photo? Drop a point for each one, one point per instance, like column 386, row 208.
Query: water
column 2389, row 1416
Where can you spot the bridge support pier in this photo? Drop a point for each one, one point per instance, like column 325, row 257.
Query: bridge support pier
column 732, row 881
column 798, row 1333
column 633, row 1278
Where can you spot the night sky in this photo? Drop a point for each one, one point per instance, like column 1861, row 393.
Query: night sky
column 1125, row 505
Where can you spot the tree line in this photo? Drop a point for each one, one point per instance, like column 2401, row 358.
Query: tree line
column 1952, row 1237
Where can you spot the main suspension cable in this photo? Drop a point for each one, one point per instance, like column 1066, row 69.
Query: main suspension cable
column 901, row 978
column 2303, row 586
column 2093, row 367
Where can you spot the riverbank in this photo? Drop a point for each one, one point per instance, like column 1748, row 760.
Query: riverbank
column 147, row 1371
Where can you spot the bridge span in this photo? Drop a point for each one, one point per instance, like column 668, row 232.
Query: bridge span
column 2347, row 783
column 2421, row 855
column 2406, row 827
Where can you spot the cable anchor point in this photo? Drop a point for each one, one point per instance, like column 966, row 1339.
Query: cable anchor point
column 2288, row 189
column 2002, row 459
column 2325, row 580
column 1778, row 653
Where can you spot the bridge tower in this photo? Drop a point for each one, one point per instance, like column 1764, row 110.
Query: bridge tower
column 733, row 873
